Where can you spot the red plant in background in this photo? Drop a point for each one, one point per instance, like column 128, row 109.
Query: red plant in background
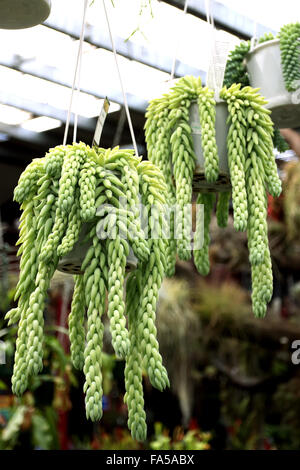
column 275, row 210
column 234, row 429
column 193, row 424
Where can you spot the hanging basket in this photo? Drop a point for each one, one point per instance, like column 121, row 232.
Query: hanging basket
column 265, row 72
column 200, row 184
column 71, row 263
column 19, row 14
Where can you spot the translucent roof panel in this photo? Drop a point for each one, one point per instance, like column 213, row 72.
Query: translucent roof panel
column 45, row 92
column 38, row 43
column 270, row 13
column 163, row 32
column 99, row 70
column 163, row 28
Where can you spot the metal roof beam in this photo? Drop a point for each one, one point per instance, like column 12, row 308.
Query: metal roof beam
column 41, row 109
column 24, row 135
column 86, row 126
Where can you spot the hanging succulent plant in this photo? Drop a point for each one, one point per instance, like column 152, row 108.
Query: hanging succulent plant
column 71, row 188
column 236, row 67
column 251, row 163
column 289, row 37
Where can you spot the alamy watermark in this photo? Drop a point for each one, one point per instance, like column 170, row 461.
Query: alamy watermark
column 152, row 222
column 296, row 354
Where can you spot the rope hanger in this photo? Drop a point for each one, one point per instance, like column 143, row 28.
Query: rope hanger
column 76, row 79
column 210, row 22
column 77, row 76
column 77, row 72
column 121, row 80
column 177, row 44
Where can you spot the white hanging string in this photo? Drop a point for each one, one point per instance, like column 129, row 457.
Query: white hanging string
column 76, row 79
column 63, row 318
column 121, row 80
column 76, row 101
column 177, row 44
column 254, row 37
column 77, row 94
column 209, row 15
column 210, row 22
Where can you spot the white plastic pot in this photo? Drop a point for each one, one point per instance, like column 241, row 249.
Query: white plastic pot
column 71, row 263
column 265, row 72
column 199, row 182
column 18, row 14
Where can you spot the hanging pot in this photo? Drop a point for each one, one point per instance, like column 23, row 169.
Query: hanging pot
column 71, row 263
column 199, row 182
column 19, row 14
column 265, row 72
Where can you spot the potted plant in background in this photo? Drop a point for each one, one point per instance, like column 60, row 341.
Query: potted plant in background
column 251, row 164
column 273, row 65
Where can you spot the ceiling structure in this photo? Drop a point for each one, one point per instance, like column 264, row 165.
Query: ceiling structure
column 37, row 67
